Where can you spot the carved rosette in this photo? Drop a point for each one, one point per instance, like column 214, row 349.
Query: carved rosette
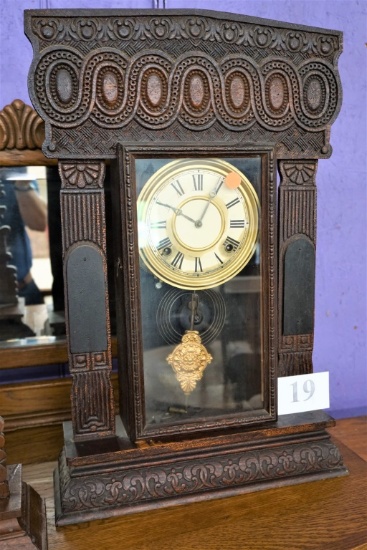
column 297, row 241
column 193, row 73
column 84, row 244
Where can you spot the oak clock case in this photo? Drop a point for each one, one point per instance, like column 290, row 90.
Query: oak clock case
column 200, row 359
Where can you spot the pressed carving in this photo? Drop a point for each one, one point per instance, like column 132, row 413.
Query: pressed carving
column 155, row 87
column 206, row 29
column 81, row 215
column 237, row 92
column 84, row 247
column 314, row 91
column 253, row 78
column 298, row 200
column 271, row 80
column 198, row 81
column 192, row 477
column 298, row 235
column 277, row 94
column 82, row 175
column 92, row 408
column 299, row 172
column 20, row 127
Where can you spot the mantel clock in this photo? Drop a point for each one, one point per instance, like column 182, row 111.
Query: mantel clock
column 195, row 114
column 201, row 220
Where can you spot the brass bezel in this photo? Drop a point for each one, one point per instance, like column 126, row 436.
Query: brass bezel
column 241, row 256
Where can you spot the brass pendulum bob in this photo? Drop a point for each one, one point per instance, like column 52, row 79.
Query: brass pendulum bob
column 190, row 358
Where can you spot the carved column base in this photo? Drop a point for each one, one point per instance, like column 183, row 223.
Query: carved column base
column 122, row 478
column 22, row 515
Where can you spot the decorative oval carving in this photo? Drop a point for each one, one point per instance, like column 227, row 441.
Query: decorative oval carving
column 238, row 92
column 154, row 89
column 64, row 85
column 277, row 94
column 314, row 94
column 196, row 90
column 109, row 87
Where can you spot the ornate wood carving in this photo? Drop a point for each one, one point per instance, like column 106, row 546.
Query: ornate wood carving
column 192, row 475
column 297, row 214
column 20, row 127
column 105, row 77
column 158, row 483
column 243, row 79
column 84, row 248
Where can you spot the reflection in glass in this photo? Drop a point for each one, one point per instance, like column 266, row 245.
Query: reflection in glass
column 227, row 318
column 23, row 212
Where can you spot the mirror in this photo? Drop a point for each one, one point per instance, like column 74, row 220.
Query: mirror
column 31, row 295
column 31, row 242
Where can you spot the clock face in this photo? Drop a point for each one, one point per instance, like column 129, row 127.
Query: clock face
column 198, row 223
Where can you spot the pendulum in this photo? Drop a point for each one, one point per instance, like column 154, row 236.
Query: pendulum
column 190, row 358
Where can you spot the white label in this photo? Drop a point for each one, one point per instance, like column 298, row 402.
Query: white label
column 305, row 392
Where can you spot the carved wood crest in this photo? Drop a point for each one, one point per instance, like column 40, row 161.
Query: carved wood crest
column 98, row 77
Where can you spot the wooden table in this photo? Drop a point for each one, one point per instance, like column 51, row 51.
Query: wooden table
column 326, row 515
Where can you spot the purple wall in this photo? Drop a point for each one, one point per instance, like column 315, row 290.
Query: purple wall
column 340, row 330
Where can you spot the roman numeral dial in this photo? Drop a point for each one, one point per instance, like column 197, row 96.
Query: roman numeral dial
column 198, row 222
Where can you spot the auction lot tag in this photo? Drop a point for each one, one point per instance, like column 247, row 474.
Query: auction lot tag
column 304, row 392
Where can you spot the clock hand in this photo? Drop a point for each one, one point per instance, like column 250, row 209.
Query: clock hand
column 212, row 195
column 177, row 211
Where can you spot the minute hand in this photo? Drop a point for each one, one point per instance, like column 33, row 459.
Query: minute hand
column 177, row 211
column 212, row 195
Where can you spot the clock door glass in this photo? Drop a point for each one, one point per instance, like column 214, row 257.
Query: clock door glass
column 200, row 250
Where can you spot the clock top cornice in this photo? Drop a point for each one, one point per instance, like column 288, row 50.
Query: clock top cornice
column 168, row 75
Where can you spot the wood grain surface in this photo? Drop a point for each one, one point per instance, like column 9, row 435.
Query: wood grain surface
column 329, row 514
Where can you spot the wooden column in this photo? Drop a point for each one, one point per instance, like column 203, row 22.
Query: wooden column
column 297, row 241
column 86, row 298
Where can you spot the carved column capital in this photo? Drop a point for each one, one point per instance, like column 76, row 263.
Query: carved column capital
column 300, row 173
column 81, row 175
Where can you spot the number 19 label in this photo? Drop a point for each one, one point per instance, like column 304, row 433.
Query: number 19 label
column 305, row 392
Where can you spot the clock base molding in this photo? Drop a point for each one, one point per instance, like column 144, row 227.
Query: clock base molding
column 113, row 477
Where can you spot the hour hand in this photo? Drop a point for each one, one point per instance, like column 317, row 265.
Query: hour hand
column 177, row 211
